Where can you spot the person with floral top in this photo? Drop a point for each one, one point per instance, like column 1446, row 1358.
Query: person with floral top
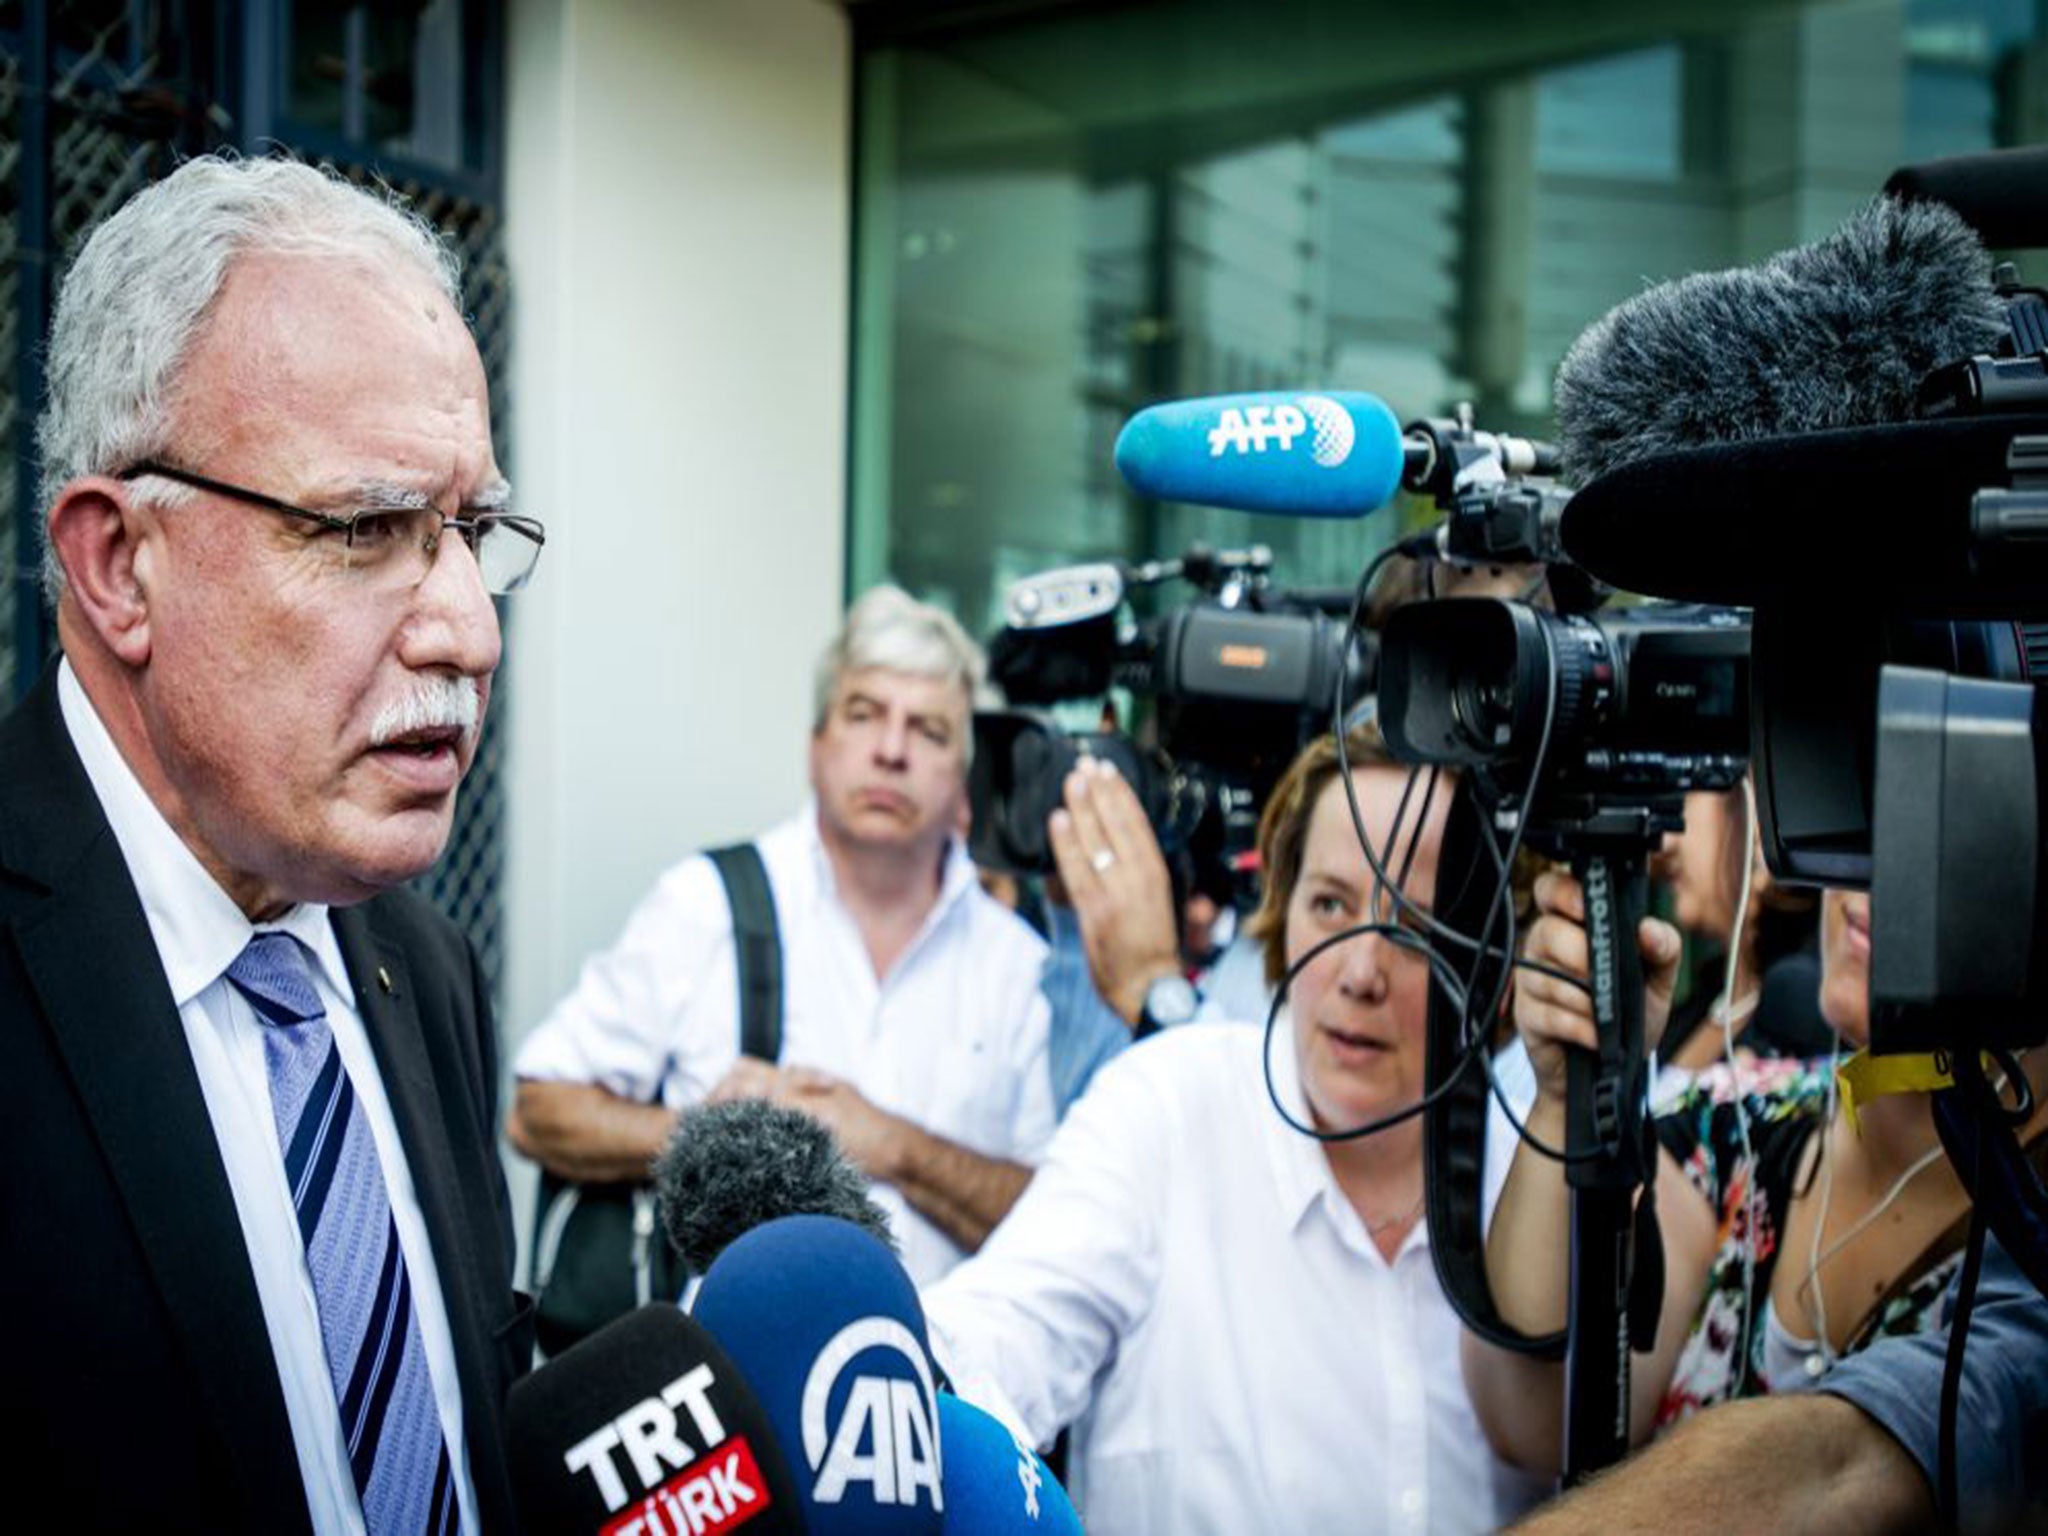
column 1792, row 1233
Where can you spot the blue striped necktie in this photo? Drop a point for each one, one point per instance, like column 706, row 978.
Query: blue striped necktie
column 367, row 1321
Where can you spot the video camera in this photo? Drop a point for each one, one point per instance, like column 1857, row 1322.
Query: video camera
column 1885, row 516
column 1895, row 715
column 1580, row 732
column 1641, row 703
column 1849, row 447
column 1238, row 680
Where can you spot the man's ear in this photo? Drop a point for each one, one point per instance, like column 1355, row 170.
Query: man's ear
column 98, row 532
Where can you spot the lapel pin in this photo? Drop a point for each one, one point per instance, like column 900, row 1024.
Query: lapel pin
column 384, row 981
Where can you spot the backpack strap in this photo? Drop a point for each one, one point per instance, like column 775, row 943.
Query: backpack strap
column 757, row 947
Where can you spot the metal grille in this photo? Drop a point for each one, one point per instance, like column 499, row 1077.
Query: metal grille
column 99, row 154
column 19, row 547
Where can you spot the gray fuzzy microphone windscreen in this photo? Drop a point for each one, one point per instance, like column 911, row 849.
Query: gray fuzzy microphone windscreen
column 1838, row 333
column 731, row 1167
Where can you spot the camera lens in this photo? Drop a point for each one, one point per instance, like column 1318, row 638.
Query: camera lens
column 1483, row 709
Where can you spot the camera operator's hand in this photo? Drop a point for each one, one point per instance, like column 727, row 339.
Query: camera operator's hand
column 1552, row 1014
column 1520, row 1398
column 1115, row 877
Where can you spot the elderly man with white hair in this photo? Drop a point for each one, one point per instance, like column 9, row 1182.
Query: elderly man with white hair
column 912, row 1025
column 259, row 1252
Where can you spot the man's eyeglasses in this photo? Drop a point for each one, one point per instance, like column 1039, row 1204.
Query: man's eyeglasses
column 396, row 545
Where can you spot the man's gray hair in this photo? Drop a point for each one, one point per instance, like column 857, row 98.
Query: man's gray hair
column 890, row 629
column 139, row 292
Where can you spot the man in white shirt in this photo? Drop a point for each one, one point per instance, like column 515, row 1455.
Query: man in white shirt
column 913, row 1025
column 258, row 1247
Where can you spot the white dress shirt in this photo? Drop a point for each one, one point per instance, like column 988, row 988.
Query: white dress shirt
column 952, row 1039
column 198, row 932
column 1186, row 1270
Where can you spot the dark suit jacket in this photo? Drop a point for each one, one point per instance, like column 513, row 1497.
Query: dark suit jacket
column 144, row 1393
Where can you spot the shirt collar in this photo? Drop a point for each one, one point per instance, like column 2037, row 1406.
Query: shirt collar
column 1302, row 1176
column 197, row 927
column 956, row 874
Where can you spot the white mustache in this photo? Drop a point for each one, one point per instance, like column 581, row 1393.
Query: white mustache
column 431, row 703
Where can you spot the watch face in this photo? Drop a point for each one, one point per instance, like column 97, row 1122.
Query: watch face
column 1171, row 1000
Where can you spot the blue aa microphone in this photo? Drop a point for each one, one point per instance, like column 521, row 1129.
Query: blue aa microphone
column 1333, row 454
column 827, row 1329
column 995, row 1483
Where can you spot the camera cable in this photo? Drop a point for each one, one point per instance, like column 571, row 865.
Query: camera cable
column 1395, row 934
column 1477, row 1043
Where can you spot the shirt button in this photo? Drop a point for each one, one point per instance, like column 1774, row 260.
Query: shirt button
column 1411, row 1501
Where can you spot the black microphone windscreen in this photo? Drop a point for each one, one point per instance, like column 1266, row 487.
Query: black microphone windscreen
column 646, row 1426
column 1834, row 334
column 731, row 1167
column 2002, row 194
column 1847, row 519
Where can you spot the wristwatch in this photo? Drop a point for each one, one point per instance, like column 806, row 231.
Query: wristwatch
column 1170, row 1000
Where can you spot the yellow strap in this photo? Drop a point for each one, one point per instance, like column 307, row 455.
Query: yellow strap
column 1864, row 1077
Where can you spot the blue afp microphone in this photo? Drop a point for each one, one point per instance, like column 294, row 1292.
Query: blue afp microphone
column 995, row 1484
column 827, row 1329
column 1333, row 454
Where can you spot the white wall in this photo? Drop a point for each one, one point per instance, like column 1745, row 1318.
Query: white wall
column 678, row 220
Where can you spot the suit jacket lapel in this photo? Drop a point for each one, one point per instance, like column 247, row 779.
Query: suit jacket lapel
column 89, row 953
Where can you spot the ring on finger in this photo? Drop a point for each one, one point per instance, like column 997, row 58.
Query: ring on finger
column 1101, row 859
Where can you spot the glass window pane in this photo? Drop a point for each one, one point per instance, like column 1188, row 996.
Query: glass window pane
column 319, row 67
column 1068, row 214
column 390, row 77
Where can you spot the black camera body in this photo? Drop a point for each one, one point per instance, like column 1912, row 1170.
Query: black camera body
column 1642, row 703
column 1857, row 786
column 1818, row 725
column 1237, row 691
column 1022, row 758
column 1238, row 680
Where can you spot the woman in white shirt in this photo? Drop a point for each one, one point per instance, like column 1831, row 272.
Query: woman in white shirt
column 1242, row 1323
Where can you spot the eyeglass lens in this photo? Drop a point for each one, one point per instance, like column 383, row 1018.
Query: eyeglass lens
column 400, row 544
